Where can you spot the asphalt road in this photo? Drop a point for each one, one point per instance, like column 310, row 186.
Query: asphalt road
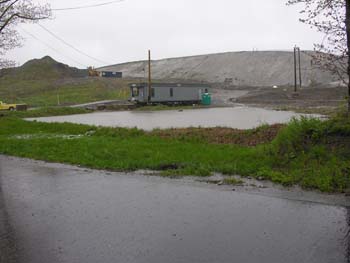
column 57, row 213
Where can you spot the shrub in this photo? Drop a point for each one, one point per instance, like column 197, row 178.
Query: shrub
column 298, row 137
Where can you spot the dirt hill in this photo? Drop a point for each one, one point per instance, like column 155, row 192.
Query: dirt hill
column 46, row 82
column 258, row 68
column 44, row 68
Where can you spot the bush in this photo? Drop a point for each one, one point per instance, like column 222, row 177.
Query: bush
column 298, row 137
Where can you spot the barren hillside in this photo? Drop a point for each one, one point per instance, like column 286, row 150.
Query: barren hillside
column 258, row 68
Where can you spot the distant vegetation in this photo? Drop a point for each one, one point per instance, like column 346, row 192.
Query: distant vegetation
column 46, row 82
column 311, row 153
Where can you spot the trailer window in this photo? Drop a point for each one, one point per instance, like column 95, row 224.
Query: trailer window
column 152, row 92
column 171, row 92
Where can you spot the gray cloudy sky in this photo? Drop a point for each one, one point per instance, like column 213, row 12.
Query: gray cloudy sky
column 124, row 31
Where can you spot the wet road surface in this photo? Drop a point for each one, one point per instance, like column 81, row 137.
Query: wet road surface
column 59, row 213
column 238, row 117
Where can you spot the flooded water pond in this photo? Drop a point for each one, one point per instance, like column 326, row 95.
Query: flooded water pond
column 238, row 117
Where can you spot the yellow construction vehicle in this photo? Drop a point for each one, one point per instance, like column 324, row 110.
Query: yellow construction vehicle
column 93, row 72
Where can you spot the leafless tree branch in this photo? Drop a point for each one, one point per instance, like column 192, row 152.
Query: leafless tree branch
column 12, row 13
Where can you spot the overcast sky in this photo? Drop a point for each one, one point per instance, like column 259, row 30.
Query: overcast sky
column 124, row 31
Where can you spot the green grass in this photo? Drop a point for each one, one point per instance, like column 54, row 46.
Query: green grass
column 44, row 112
column 315, row 153
column 312, row 153
column 46, row 82
column 48, row 92
column 119, row 149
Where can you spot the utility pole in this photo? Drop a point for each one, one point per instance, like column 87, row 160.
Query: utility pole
column 297, row 68
column 149, row 77
column 300, row 80
column 58, row 96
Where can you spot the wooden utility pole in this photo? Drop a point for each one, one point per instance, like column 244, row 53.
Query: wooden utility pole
column 297, row 68
column 58, row 95
column 347, row 26
column 149, row 77
column 300, row 80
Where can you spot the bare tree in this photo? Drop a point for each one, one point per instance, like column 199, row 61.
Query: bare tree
column 331, row 17
column 12, row 13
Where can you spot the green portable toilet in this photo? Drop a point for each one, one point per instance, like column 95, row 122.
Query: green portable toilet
column 206, row 99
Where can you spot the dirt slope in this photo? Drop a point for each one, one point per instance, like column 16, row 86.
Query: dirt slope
column 258, row 68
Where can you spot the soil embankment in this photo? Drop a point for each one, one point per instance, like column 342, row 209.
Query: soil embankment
column 258, row 68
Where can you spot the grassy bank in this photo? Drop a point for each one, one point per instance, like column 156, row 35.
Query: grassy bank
column 47, row 92
column 44, row 112
column 307, row 152
column 45, row 82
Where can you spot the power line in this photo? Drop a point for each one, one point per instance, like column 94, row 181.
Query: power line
column 87, row 6
column 71, row 46
column 50, row 47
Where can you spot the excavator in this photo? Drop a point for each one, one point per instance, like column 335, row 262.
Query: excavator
column 92, row 72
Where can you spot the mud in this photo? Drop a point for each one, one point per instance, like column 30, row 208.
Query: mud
column 307, row 97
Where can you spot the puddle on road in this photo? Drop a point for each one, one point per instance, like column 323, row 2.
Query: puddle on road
column 238, row 117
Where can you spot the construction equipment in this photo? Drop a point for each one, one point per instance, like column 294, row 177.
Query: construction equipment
column 92, row 72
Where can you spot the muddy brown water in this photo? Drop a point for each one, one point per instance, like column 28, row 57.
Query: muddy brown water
column 60, row 213
column 237, row 117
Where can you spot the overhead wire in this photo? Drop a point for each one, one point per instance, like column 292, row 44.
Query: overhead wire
column 87, row 6
column 52, row 48
column 71, row 46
